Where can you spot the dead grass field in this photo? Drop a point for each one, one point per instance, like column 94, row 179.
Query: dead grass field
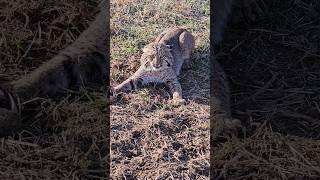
column 272, row 63
column 151, row 139
column 66, row 139
column 274, row 68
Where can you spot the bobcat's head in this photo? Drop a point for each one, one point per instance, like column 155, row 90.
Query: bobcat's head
column 157, row 56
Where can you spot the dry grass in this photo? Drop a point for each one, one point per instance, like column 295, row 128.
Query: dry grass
column 267, row 155
column 66, row 139
column 277, row 68
column 273, row 65
column 32, row 32
column 149, row 138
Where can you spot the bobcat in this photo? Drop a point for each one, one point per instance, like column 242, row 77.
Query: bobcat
column 161, row 62
column 81, row 63
column 220, row 92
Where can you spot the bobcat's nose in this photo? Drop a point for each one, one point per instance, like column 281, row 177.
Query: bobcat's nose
column 156, row 65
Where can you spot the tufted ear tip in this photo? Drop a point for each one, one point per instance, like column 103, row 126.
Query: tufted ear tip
column 147, row 47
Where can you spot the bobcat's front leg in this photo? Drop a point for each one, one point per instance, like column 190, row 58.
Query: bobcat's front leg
column 175, row 89
column 132, row 83
column 129, row 84
column 9, row 113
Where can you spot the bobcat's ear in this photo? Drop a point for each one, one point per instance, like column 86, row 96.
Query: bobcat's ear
column 147, row 47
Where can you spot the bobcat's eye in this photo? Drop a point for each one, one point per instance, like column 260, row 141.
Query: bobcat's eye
column 147, row 64
column 168, row 64
column 169, row 47
column 151, row 57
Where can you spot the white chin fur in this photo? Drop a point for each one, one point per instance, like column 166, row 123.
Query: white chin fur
column 155, row 69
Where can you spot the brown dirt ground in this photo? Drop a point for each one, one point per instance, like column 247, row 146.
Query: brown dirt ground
column 66, row 139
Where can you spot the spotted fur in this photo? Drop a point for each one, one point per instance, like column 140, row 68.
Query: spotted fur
column 162, row 61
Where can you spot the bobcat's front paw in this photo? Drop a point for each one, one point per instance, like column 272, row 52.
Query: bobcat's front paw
column 9, row 117
column 116, row 89
column 231, row 127
column 233, row 124
column 114, row 94
column 224, row 128
column 124, row 87
column 9, row 121
column 178, row 101
column 113, row 91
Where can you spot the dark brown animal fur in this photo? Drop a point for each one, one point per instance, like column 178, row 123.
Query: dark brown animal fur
column 80, row 64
